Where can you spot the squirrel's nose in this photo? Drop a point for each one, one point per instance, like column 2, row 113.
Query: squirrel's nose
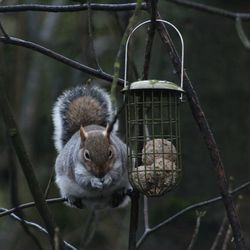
column 100, row 174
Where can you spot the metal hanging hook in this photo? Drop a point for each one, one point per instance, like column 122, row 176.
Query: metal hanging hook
column 137, row 27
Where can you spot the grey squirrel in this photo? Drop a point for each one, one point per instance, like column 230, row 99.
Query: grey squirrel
column 91, row 167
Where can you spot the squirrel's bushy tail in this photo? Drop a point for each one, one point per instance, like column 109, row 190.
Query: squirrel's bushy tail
column 80, row 106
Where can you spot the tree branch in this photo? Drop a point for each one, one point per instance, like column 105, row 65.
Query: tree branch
column 188, row 209
column 70, row 8
column 221, row 231
column 227, row 238
column 4, row 32
column 34, row 225
column 89, row 230
column 199, row 215
column 45, row 51
column 117, row 64
column 30, row 204
column 150, row 38
column 211, row 9
column 91, row 36
column 14, row 196
column 208, row 137
column 52, row 174
column 241, row 33
column 26, row 164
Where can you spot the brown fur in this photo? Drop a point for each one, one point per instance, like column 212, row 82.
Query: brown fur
column 84, row 111
column 98, row 147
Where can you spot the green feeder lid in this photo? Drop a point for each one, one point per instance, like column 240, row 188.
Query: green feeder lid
column 153, row 84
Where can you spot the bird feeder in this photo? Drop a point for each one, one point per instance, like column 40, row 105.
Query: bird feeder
column 153, row 131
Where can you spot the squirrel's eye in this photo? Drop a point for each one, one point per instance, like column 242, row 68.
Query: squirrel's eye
column 86, row 155
column 110, row 154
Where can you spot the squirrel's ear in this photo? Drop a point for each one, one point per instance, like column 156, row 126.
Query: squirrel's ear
column 107, row 131
column 83, row 134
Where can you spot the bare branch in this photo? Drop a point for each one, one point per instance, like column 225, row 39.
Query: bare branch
column 117, row 64
column 36, row 226
column 199, row 215
column 224, row 223
column 150, row 39
column 14, row 196
column 3, row 31
column 241, row 33
column 91, row 35
column 56, row 239
column 26, row 164
column 221, row 231
column 208, row 137
column 30, row 204
column 70, row 8
column 227, row 238
column 190, row 208
column 89, row 230
column 211, row 9
column 46, row 193
column 58, row 57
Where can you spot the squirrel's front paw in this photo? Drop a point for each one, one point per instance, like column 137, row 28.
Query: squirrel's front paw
column 107, row 180
column 96, row 183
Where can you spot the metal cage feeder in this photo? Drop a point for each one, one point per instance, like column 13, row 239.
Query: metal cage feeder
column 153, row 131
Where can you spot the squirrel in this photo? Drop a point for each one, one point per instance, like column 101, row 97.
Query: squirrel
column 91, row 166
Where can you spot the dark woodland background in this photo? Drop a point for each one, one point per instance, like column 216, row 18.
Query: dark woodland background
column 219, row 67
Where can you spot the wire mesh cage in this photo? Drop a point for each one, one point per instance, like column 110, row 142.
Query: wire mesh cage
column 153, row 136
column 153, row 131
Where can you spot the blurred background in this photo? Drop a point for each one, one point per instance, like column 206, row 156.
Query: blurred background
column 219, row 67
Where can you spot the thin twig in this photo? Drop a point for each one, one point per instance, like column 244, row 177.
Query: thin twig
column 199, row 215
column 91, row 36
column 227, row 238
column 208, row 137
column 89, row 230
column 117, row 64
column 26, row 164
column 56, row 239
column 36, row 226
column 211, row 9
column 190, row 208
column 241, row 33
column 131, row 62
column 46, row 193
column 150, row 38
column 224, row 223
column 221, row 231
column 3, row 31
column 45, row 51
column 30, row 204
column 14, row 196
column 70, row 8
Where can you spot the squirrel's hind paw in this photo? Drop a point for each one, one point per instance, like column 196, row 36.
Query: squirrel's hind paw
column 75, row 202
column 118, row 198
